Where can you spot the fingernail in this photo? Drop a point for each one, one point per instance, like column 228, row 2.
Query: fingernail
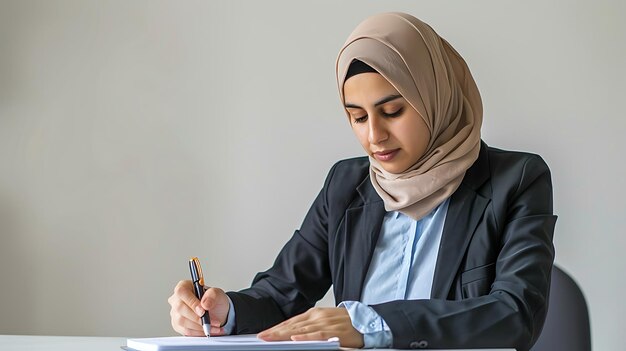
column 199, row 311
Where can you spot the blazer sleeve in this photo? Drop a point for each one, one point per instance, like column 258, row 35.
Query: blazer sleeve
column 298, row 278
column 512, row 314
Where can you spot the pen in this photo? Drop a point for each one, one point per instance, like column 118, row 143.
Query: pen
column 198, row 288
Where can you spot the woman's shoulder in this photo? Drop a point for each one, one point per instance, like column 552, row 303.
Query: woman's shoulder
column 514, row 160
column 350, row 170
column 352, row 167
column 512, row 174
column 518, row 183
column 505, row 172
column 345, row 176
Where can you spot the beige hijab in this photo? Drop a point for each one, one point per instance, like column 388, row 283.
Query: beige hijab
column 436, row 81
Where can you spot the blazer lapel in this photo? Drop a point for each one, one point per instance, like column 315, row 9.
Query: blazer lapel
column 465, row 210
column 362, row 228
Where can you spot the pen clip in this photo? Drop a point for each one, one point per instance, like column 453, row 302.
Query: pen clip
column 196, row 271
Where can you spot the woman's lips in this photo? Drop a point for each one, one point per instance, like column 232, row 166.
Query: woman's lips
column 386, row 155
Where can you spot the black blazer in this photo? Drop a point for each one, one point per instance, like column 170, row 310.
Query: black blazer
column 492, row 275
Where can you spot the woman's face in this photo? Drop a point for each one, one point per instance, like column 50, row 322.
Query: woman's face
column 387, row 126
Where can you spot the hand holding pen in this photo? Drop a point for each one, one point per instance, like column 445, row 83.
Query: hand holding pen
column 186, row 309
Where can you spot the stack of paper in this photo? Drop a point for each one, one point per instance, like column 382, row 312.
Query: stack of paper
column 226, row 343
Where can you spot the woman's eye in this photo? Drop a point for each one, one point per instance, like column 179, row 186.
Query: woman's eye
column 394, row 114
column 360, row 119
column 397, row 113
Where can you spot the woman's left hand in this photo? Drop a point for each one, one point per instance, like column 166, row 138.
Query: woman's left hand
column 318, row 323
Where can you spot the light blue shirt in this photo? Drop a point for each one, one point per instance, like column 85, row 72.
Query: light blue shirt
column 402, row 268
column 230, row 320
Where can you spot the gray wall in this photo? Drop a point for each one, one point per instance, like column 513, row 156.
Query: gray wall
column 134, row 134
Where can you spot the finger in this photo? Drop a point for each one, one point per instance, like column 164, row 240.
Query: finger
column 317, row 335
column 180, row 308
column 351, row 340
column 186, row 327
column 193, row 325
column 308, row 319
column 216, row 331
column 215, row 301
column 285, row 332
column 212, row 297
column 275, row 336
column 286, row 325
column 181, row 315
column 190, row 332
column 184, row 322
column 184, row 292
column 268, row 334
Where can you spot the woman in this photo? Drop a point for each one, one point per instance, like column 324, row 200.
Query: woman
column 433, row 240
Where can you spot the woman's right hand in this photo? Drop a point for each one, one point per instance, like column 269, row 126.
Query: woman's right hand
column 186, row 309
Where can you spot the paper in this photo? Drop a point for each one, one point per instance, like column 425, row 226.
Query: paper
column 247, row 342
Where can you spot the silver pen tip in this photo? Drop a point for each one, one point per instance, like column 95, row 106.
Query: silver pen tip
column 207, row 329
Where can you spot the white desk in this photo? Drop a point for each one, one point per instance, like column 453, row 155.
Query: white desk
column 77, row 343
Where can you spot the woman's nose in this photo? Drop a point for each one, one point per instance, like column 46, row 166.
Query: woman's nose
column 377, row 131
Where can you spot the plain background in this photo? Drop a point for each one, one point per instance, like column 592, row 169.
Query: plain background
column 135, row 134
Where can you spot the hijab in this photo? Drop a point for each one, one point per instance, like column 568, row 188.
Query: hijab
column 435, row 80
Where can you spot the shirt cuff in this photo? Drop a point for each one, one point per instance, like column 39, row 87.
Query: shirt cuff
column 376, row 333
column 230, row 320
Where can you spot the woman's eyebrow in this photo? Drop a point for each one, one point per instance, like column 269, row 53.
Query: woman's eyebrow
column 379, row 102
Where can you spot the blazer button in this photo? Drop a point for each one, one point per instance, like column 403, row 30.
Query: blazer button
column 422, row 344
